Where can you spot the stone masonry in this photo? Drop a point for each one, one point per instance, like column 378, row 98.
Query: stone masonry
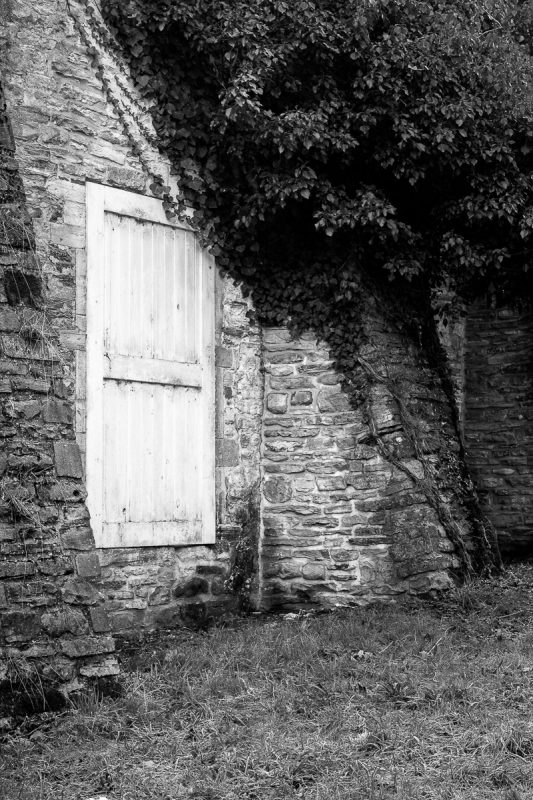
column 342, row 523
column 322, row 500
column 69, row 117
column 52, row 615
column 498, row 428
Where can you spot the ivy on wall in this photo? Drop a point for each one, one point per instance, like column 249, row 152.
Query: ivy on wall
column 310, row 136
column 332, row 148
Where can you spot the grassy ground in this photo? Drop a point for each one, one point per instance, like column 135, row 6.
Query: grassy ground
column 421, row 702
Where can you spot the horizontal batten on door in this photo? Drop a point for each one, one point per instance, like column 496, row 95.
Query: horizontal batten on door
column 127, row 368
column 146, row 534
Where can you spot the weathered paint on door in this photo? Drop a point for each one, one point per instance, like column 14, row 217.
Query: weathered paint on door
column 150, row 375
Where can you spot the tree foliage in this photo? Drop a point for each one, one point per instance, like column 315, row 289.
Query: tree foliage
column 318, row 137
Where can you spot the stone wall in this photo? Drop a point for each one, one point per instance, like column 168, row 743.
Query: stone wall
column 50, row 614
column 498, row 428
column 345, row 515
column 74, row 117
column 320, row 500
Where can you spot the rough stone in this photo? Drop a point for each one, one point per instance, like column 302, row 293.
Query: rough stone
column 314, row 572
column 56, row 567
column 67, row 459
column 277, row 490
column 88, row 565
column 123, row 620
column 277, row 402
column 9, row 320
column 102, row 668
column 227, row 453
column 78, row 539
column 330, row 400
column 80, row 592
column 67, row 491
column 81, row 647
column 331, row 483
column 19, row 625
column 67, row 620
column 28, row 408
column 16, row 569
column 37, row 385
column 57, row 411
column 224, row 357
column 301, row 398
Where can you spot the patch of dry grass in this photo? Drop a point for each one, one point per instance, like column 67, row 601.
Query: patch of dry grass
column 419, row 702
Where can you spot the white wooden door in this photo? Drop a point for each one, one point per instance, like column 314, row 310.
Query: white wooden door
column 150, row 375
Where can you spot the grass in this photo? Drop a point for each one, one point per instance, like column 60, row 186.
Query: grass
column 420, row 702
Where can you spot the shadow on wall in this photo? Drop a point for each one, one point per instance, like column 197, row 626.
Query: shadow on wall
column 499, row 421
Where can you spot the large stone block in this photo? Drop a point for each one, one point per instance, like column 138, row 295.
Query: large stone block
column 67, row 235
column 291, row 382
column 227, row 453
column 126, row 178
column 314, row 572
column 37, row 385
column 302, row 398
column 16, row 569
column 330, row 483
column 9, row 320
column 30, row 462
column 158, row 596
column 80, row 592
column 67, row 491
column 57, row 411
column 101, row 668
column 87, row 646
column 284, row 569
column 67, row 620
column 88, row 565
column 78, row 538
column 10, row 367
column 329, row 400
column 8, row 531
column 74, row 514
column 68, row 459
column 224, row 357
column 39, row 651
column 277, row 490
column 277, row 402
column 56, row 566
column 329, row 378
column 124, row 620
column 99, row 619
column 20, row 625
